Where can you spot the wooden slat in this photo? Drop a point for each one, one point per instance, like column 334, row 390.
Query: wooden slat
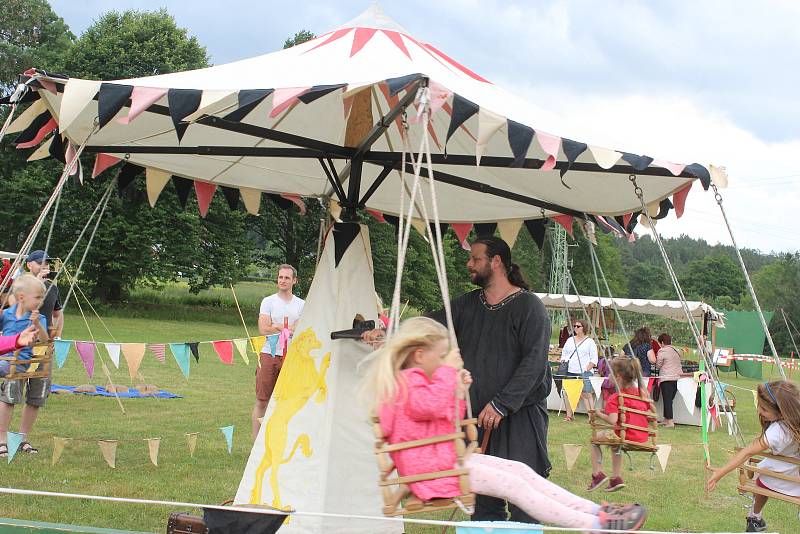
column 642, row 428
column 423, row 476
column 642, row 412
column 769, row 473
column 787, row 459
column 753, row 488
column 419, row 442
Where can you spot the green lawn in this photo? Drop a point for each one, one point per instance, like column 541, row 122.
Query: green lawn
column 219, row 395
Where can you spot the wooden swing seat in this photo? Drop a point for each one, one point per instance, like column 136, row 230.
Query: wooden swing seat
column 400, row 501
column 44, row 359
column 748, row 470
column 603, row 432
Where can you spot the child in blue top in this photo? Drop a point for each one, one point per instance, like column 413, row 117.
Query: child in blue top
column 29, row 294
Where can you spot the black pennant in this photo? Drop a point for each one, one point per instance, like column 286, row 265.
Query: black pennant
column 519, row 137
column 248, row 100
column 30, row 96
column 663, row 209
column 639, row 163
column 29, row 133
column 111, row 99
column 695, row 169
column 182, row 103
column 537, row 229
column 396, row 85
column 231, row 196
column 195, row 352
column 633, row 222
column 394, row 221
column 604, row 227
column 127, row 174
column 318, row 91
column 57, row 148
column 463, row 109
column 343, row 235
column 281, row 202
column 572, row 149
column 183, row 187
column 485, row 229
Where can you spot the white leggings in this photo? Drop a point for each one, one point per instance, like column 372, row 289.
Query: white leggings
column 535, row 495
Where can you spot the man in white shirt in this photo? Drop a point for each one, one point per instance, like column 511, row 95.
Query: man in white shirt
column 276, row 310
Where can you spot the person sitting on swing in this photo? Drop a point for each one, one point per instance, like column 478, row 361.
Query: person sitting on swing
column 415, row 384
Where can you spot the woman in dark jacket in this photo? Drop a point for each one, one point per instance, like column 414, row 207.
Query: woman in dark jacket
column 642, row 349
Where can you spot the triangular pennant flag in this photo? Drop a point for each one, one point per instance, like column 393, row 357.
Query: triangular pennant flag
column 484, row 229
column 77, row 95
column 191, row 442
column 113, row 353
column 180, row 351
column 86, row 352
column 205, row 192
column 27, row 117
column 58, row 448
column 273, row 343
column 108, row 447
column 152, row 447
column 36, row 130
column 127, row 174
column 537, row 229
column 550, row 144
column 182, row 103
column 565, row 221
column 378, row 216
column 719, row 176
column 231, row 195
column 318, row 91
column 572, row 388
column 597, row 383
column 343, row 235
column 519, row 138
column 462, row 230
column 488, row 124
column 419, row 226
column 463, row 109
column 141, row 99
column 251, row 198
column 572, row 149
column 158, row 350
column 257, row 342
column 14, row 440
column 571, row 453
column 133, row 353
column 43, row 151
column 675, row 168
column 62, row 351
column 241, row 346
column 227, row 431
column 57, row 149
column 111, row 100
column 605, row 157
column 283, row 98
column 183, row 186
column 193, row 346
column 210, row 103
column 103, row 162
column 662, row 453
column 155, row 180
column 509, row 229
column 588, row 230
column 679, row 200
column 639, row 163
column 687, row 387
column 297, row 202
column 248, row 100
column 755, row 398
column 224, row 349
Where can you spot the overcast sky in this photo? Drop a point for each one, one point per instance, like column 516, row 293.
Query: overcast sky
column 711, row 81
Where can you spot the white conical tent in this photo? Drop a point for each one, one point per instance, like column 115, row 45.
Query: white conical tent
column 281, row 122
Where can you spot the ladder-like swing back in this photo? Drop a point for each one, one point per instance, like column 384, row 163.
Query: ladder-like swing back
column 38, row 366
column 603, row 433
column 749, row 469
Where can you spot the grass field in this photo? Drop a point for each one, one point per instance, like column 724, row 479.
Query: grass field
column 217, row 395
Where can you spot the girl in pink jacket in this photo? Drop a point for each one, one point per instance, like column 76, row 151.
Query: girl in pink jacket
column 417, row 384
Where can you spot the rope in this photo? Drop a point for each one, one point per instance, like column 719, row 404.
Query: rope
column 52, row 224
column 786, row 322
column 7, row 122
column 244, row 324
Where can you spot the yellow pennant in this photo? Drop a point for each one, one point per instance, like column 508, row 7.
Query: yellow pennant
column 152, row 447
column 509, row 229
column 251, row 198
column 572, row 388
column 58, row 448
column 571, row 453
column 662, row 453
column 257, row 342
column 241, row 346
column 109, row 449
column 755, row 398
column 191, row 442
column 155, row 180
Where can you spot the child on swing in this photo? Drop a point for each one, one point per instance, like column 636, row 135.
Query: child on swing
column 779, row 412
column 415, row 381
column 627, row 374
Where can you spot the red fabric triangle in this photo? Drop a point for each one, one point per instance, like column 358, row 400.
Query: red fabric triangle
column 103, row 162
column 338, row 34
column 298, row 202
column 44, row 130
column 462, row 231
column 397, row 39
column 392, row 101
column 565, row 221
column 360, row 39
column 224, row 350
column 626, row 219
column 378, row 215
column 679, row 199
column 205, row 192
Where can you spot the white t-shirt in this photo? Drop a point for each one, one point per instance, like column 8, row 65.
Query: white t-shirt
column 587, row 352
column 277, row 309
column 781, row 442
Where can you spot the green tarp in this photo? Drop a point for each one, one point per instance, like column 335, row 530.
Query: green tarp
column 744, row 334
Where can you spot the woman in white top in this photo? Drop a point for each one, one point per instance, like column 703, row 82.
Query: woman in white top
column 581, row 353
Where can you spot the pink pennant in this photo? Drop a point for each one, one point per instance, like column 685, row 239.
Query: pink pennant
column 43, row 131
column 378, row 215
column 86, row 352
column 298, row 202
column 103, row 162
column 439, row 94
column 158, row 350
column 224, row 350
column 674, row 168
column 141, row 99
column 338, row 34
column 462, row 231
column 360, row 39
column 679, row 199
column 626, row 219
column 565, row 221
column 550, row 145
column 397, row 39
column 50, row 86
column 205, row 192
column 283, row 98
column 283, row 340
column 69, row 155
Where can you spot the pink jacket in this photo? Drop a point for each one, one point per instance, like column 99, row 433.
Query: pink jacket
column 8, row 343
column 424, row 408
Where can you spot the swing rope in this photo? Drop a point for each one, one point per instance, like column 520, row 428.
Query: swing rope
column 786, row 322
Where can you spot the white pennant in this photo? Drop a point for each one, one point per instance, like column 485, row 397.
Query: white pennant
column 77, row 95
column 488, row 124
column 662, row 453
column 113, row 352
column 26, row 117
column 687, row 388
column 571, row 453
column 605, row 157
column 209, row 104
column 43, row 150
column 155, row 180
column 509, row 229
column 597, row 382
column 719, row 176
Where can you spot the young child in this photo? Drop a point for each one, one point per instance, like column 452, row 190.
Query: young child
column 29, row 293
column 779, row 412
column 627, row 372
column 414, row 383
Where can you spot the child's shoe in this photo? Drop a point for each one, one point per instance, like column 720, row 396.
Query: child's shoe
column 597, row 480
column 625, row 519
column 756, row 524
column 615, row 484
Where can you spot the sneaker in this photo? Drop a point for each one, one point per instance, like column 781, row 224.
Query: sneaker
column 615, row 484
column 626, row 519
column 756, row 524
column 597, row 480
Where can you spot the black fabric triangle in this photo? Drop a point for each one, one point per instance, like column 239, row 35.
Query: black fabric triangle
column 633, row 222
column 519, row 137
column 663, row 208
column 572, row 149
column 195, row 352
column 485, row 229
column 248, row 100
column 224, row 521
column 695, row 169
column 127, row 174
column 29, row 133
column 463, row 109
column 343, row 235
column 394, row 221
column 280, row 201
column 30, row 96
column 599, row 224
column 231, row 196
column 615, row 224
column 57, row 148
column 182, row 103
column 442, row 228
column 183, row 187
column 537, row 229
column 639, row 163
column 318, row 91
column 112, row 98
column 396, row 85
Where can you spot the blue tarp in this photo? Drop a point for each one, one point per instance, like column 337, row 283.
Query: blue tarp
column 131, row 394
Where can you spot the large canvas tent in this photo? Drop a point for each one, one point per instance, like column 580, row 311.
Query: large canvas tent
column 671, row 309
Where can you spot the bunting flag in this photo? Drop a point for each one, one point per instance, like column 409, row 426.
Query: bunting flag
column 205, row 193
column 113, row 353
column 251, row 198
column 58, row 448
column 155, row 180
column 27, row 117
column 86, row 352
column 462, row 230
column 152, row 447
column 103, row 162
column 550, row 144
column 273, row 343
column 662, row 453
column 191, row 442
column 43, row 151
column 141, row 99
column 572, row 149
column 462, row 111
column 572, row 389
column 241, row 347
column 283, row 98
column 180, row 351
column 127, row 174
column 133, row 353
column 755, row 398
column 509, row 229
column 158, row 350
column 679, row 200
column 62, row 351
column 297, row 202
column 108, row 447
column 537, row 229
column 488, row 125
column 14, row 440
column 566, row 222
column 484, row 229
column 257, row 342
column 571, row 453
column 195, row 351
column 231, row 195
column 604, row 157
column 111, row 99
column 519, row 139
column 182, row 103
column 687, row 387
column 224, row 350
column 183, row 186
column 378, row 216
column 597, row 383
column 248, row 100
column 719, row 176
column 77, row 95
column 227, row 431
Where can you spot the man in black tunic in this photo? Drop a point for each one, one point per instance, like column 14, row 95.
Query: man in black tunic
column 503, row 332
